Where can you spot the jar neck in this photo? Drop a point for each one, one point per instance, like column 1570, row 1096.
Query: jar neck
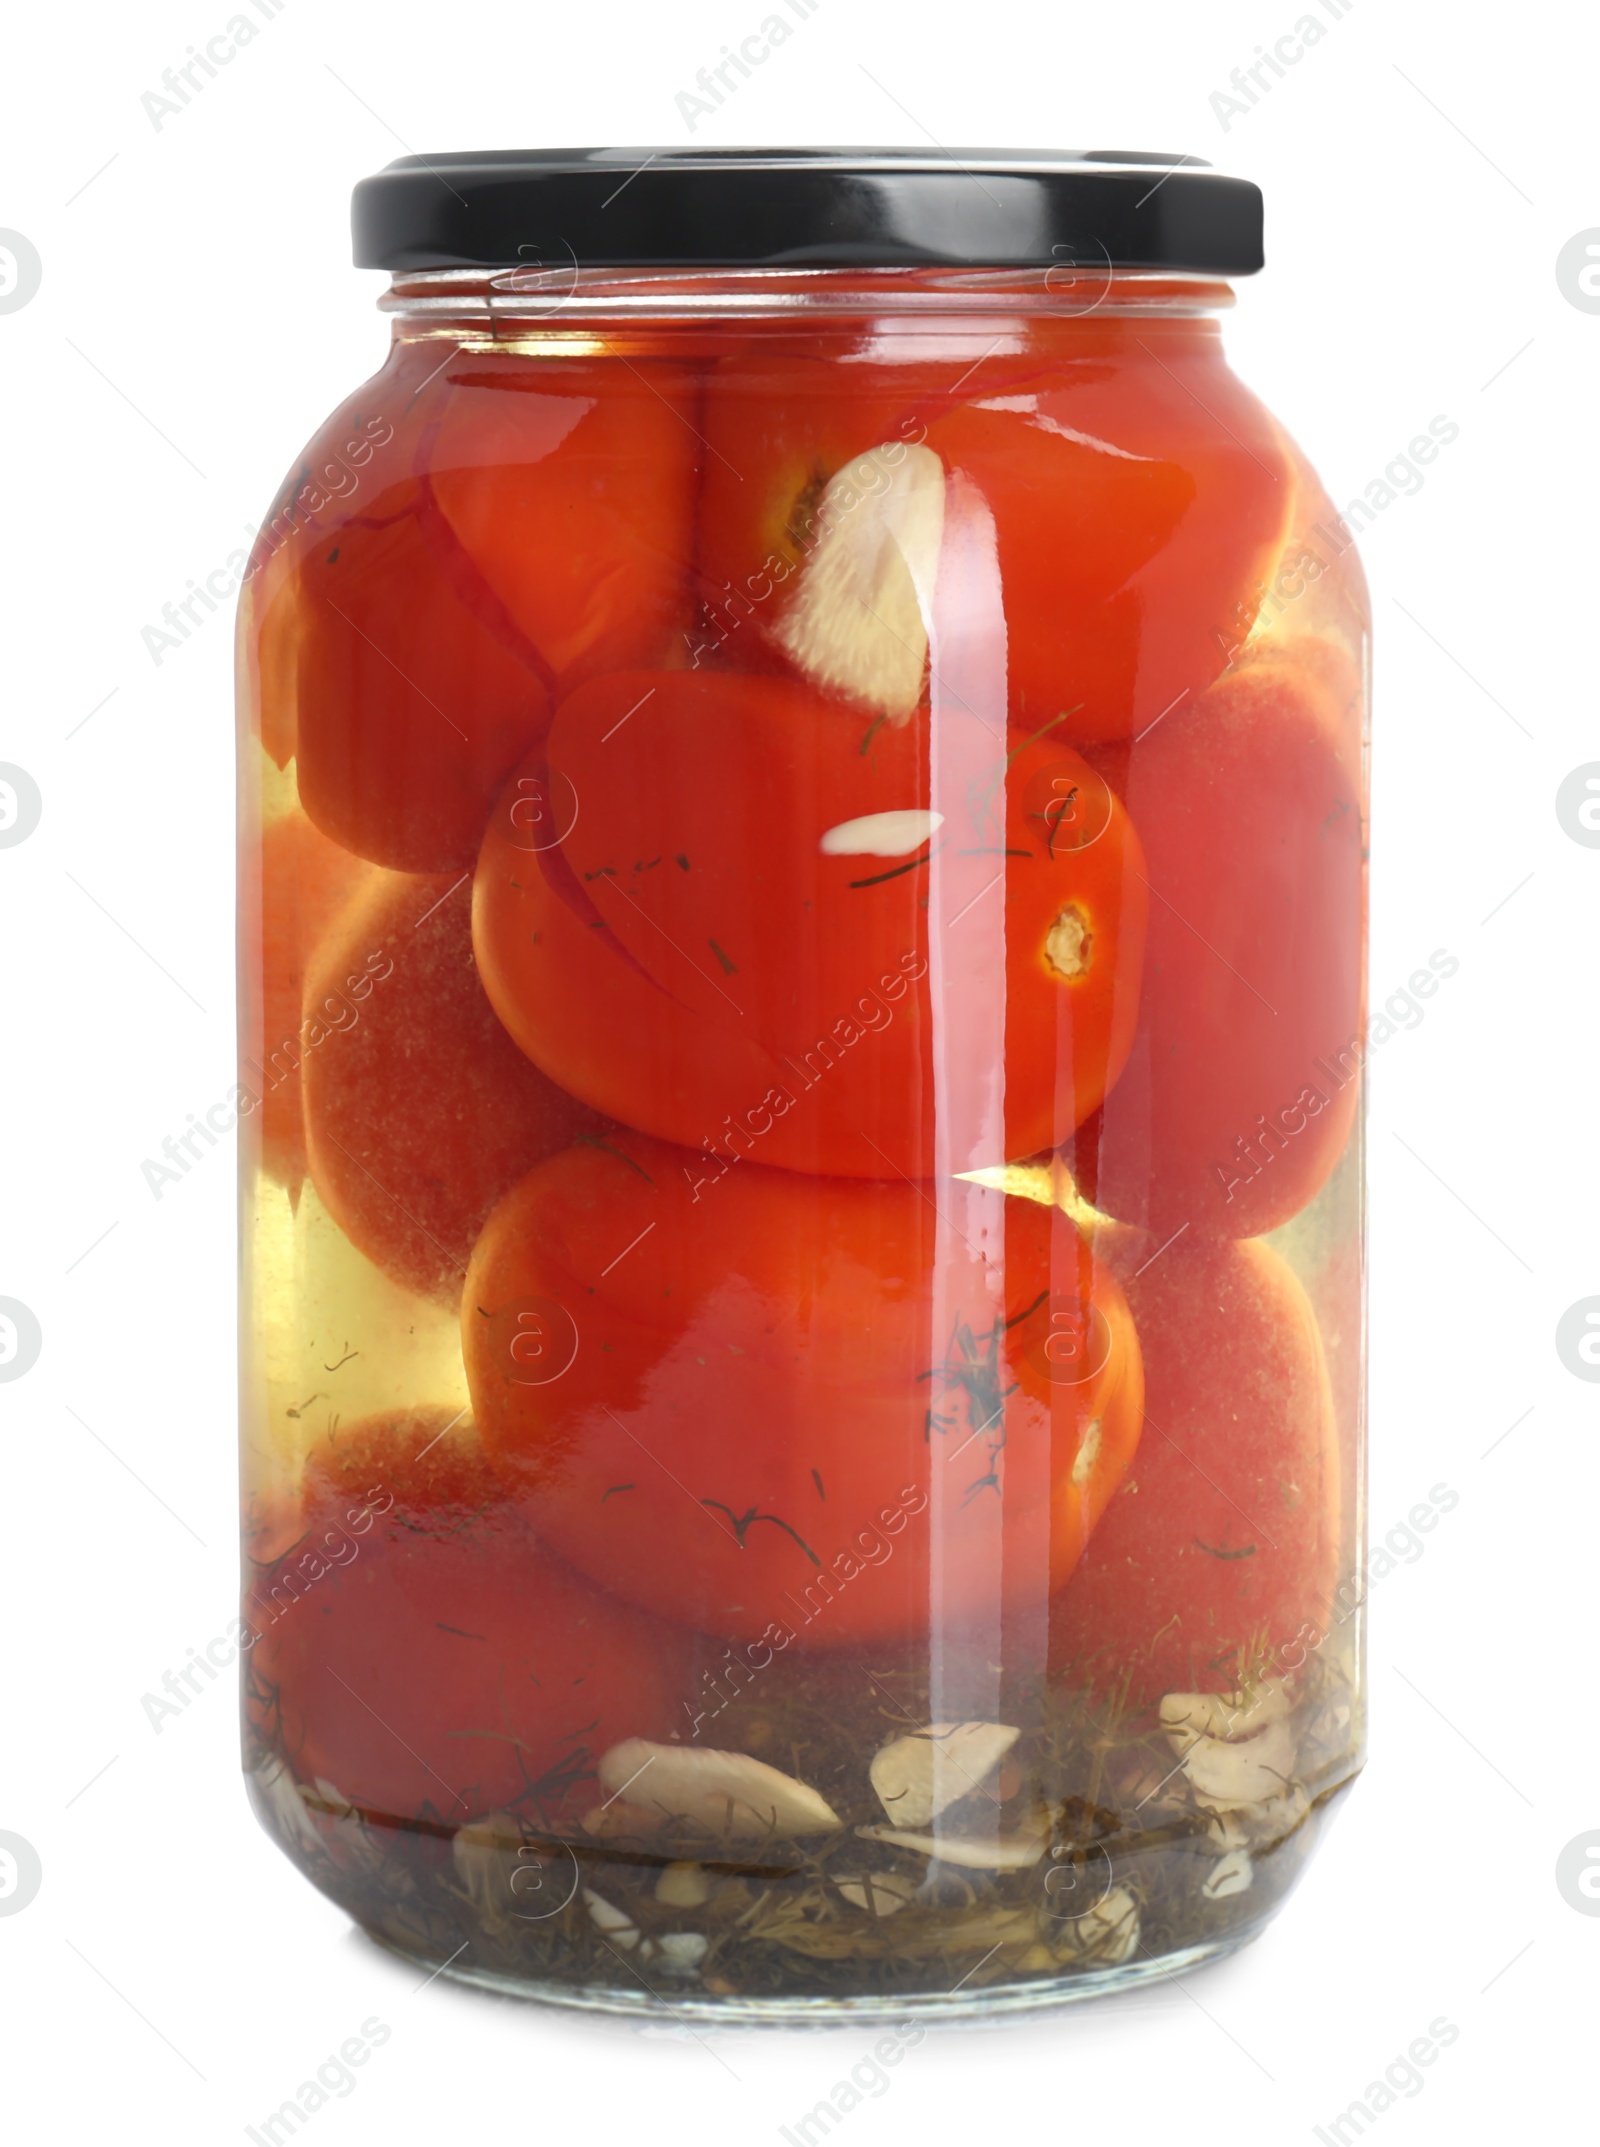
column 496, row 304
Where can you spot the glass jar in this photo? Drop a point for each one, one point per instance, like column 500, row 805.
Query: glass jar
column 803, row 896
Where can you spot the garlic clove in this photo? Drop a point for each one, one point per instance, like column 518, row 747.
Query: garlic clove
column 285, row 1800
column 1230, row 1874
column 1228, row 1777
column 1277, row 1818
column 1109, row 1933
column 481, row 1839
column 1187, row 1715
column 1237, row 1751
column 681, row 1952
column 858, row 622
column 610, row 1921
column 1267, row 1823
column 1017, row 1853
column 615, row 1817
column 484, row 1855
column 894, row 834
column 881, row 1892
column 1227, row 1831
column 918, row 1775
column 683, row 1886
column 727, row 1792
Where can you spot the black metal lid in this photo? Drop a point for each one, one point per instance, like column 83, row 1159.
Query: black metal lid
column 807, row 208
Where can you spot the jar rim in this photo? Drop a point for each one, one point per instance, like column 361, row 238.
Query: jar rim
column 540, row 293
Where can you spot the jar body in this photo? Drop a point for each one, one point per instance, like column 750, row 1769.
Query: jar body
column 803, row 909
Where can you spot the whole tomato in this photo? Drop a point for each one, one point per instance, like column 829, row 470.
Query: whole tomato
column 414, row 651
column 1139, row 497
column 408, row 707
column 1241, row 1088
column 361, row 451
column 420, row 1111
column 563, row 492
column 750, row 1399
column 289, row 892
column 418, row 1648
column 1222, row 1541
column 728, row 911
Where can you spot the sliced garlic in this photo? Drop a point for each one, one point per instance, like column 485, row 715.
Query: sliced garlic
column 612, row 1922
column 1277, row 1818
column 1230, row 1777
column 858, row 622
column 283, row 1797
column 681, row 1952
column 483, row 1840
column 881, row 834
column 1258, row 1825
column 1237, row 1752
column 1215, row 1714
column 616, row 1816
column 1017, row 1853
column 916, row 1776
column 727, row 1792
column 1109, row 1933
column 683, row 1886
column 880, row 1891
column 1227, row 1831
column 1231, row 1874
column 483, row 1853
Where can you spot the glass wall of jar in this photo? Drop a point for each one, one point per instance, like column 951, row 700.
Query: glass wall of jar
column 803, row 919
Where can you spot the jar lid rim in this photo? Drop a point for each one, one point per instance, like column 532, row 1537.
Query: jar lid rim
column 807, row 207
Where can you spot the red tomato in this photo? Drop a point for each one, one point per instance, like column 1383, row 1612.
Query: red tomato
column 367, row 443
column 287, row 898
column 408, row 706
column 1222, row 1540
column 420, row 1110
column 1139, row 493
column 416, row 649
column 772, row 928
column 1325, row 660
column 1241, row 1089
column 756, row 1399
column 422, row 1652
column 569, row 489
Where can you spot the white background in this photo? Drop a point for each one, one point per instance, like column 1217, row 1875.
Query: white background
column 175, row 1979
